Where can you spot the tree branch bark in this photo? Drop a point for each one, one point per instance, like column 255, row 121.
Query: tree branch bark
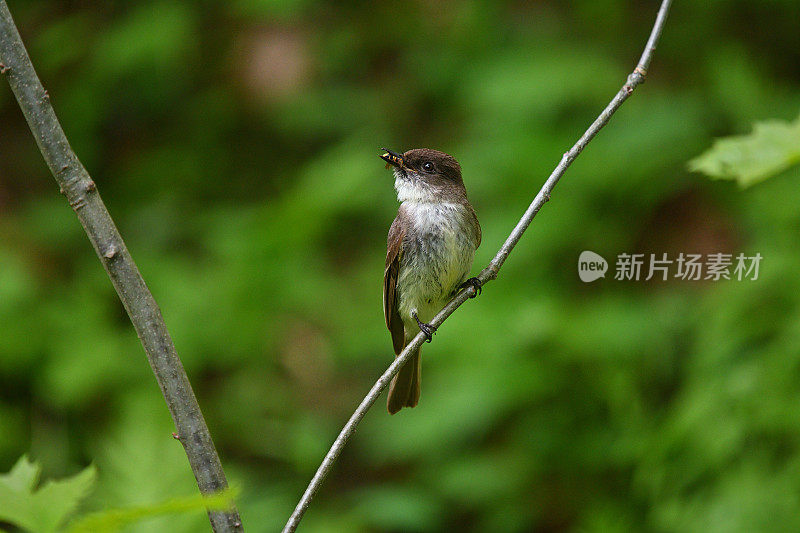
column 82, row 194
column 489, row 273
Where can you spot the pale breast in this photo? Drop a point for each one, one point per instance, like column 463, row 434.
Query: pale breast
column 437, row 256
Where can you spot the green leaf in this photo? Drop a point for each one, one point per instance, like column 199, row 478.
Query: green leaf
column 45, row 509
column 773, row 147
column 22, row 477
column 113, row 520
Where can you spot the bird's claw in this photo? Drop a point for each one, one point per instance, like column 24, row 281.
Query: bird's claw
column 472, row 282
column 427, row 329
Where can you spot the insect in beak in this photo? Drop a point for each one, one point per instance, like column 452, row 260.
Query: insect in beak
column 393, row 159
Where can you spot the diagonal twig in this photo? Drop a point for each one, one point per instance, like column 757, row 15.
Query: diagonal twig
column 489, row 273
column 81, row 192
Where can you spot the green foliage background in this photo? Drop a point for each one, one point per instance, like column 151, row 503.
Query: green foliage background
column 235, row 144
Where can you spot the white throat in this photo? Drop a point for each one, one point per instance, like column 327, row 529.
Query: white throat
column 412, row 190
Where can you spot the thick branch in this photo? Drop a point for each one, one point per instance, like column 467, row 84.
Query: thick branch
column 487, row 274
column 80, row 190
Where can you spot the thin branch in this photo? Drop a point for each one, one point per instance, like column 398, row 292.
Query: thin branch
column 489, row 273
column 82, row 194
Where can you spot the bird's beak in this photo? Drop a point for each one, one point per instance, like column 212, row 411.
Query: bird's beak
column 393, row 158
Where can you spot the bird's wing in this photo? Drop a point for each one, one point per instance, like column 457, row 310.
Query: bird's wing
column 477, row 226
column 394, row 250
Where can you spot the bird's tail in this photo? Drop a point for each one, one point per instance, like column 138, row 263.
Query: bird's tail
column 404, row 389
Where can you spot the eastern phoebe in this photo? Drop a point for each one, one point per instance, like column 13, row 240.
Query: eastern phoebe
column 429, row 254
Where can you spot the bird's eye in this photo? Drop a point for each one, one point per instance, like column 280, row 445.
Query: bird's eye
column 427, row 166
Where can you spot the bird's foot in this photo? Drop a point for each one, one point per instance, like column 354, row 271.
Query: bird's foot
column 427, row 329
column 472, row 282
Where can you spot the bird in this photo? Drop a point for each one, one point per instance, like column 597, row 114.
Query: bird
column 430, row 249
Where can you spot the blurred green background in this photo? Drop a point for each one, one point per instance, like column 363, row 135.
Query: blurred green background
column 235, row 143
